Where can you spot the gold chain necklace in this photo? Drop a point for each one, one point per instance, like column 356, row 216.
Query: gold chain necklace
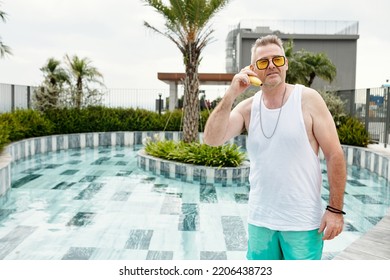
column 277, row 121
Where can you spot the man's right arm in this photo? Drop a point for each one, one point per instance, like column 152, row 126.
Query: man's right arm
column 223, row 123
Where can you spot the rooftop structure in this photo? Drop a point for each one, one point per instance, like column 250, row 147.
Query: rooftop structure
column 337, row 39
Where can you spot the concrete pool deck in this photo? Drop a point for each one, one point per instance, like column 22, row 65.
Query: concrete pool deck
column 374, row 244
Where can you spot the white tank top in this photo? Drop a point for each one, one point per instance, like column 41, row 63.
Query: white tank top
column 285, row 173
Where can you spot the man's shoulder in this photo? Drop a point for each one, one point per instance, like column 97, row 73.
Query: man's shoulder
column 309, row 93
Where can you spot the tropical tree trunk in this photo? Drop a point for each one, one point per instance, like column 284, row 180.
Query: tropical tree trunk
column 79, row 92
column 312, row 75
column 191, row 90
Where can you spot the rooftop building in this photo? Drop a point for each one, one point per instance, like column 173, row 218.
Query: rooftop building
column 337, row 39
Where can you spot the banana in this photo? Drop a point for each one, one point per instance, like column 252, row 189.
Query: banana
column 254, row 80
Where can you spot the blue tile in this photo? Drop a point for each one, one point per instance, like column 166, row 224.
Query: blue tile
column 63, row 185
column 123, row 173
column 234, row 232
column 203, row 176
column 165, row 171
column 210, row 255
column 25, row 180
column 168, row 135
column 356, row 183
column 74, row 141
column 60, row 142
column 121, row 196
column 100, row 161
column 81, row 219
column 241, row 198
column 152, row 165
column 49, row 143
column 221, row 176
column 139, row 239
column 237, row 176
column 196, row 174
column 189, row 219
column 51, row 166
column 349, row 227
column 181, row 172
column 143, row 163
column 160, row 188
column 366, row 199
column 89, row 140
column 89, row 191
column 74, row 162
column 88, row 178
column 159, row 255
column 69, row 172
column 207, row 193
column 374, row 220
column 120, row 139
column 137, row 138
column 79, row 253
column 148, row 179
column 104, row 139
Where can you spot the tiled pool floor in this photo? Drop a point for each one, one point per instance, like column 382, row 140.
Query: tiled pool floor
column 97, row 204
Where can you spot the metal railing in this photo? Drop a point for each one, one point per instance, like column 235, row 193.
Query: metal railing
column 371, row 105
column 319, row 27
column 14, row 97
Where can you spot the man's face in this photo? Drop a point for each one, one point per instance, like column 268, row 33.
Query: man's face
column 271, row 75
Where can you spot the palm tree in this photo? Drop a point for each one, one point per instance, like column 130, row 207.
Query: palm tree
column 319, row 65
column 48, row 94
column 186, row 26
column 304, row 66
column 83, row 74
column 3, row 48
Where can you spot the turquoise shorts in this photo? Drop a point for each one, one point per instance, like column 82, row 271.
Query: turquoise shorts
column 266, row 244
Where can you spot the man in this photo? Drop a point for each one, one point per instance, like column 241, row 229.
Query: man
column 287, row 125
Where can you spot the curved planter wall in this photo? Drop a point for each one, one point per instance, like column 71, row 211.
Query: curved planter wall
column 194, row 173
column 361, row 157
column 5, row 173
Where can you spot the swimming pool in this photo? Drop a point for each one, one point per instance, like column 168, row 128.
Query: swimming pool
column 95, row 203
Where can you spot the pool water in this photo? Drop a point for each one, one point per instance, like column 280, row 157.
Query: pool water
column 97, row 204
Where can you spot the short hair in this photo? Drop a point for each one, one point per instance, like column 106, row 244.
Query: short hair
column 264, row 41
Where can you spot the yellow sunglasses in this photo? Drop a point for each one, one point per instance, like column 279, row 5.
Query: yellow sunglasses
column 263, row 63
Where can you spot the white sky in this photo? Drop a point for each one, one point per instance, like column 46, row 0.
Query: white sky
column 111, row 33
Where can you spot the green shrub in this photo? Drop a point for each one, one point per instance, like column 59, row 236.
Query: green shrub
column 23, row 124
column 172, row 120
column 4, row 136
column 352, row 132
column 99, row 119
column 228, row 155
column 335, row 105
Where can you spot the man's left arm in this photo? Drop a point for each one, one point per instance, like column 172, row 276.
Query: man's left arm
column 324, row 130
